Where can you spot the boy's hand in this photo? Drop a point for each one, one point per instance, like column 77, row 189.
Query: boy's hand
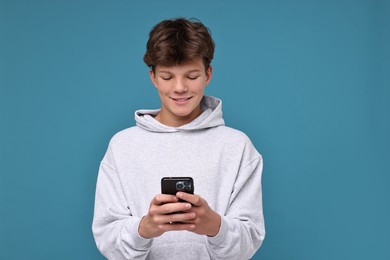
column 206, row 221
column 163, row 216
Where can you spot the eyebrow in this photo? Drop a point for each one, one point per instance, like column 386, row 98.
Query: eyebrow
column 163, row 71
column 169, row 72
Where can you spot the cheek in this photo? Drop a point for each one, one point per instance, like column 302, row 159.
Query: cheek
column 199, row 86
column 162, row 86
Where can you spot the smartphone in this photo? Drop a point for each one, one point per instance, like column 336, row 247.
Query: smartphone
column 171, row 185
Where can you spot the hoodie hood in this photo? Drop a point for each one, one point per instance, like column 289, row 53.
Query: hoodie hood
column 210, row 117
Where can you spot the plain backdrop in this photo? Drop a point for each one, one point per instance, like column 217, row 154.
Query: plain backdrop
column 307, row 81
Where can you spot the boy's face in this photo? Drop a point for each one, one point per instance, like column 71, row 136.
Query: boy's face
column 181, row 89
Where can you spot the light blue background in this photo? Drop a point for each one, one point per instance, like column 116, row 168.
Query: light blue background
column 308, row 81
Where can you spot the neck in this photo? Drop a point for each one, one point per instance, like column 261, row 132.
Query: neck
column 177, row 121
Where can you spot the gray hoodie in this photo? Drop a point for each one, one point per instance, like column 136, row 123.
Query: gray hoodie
column 226, row 169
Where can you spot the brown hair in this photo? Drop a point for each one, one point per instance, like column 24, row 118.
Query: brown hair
column 175, row 41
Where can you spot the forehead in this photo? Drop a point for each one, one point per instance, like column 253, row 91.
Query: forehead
column 193, row 65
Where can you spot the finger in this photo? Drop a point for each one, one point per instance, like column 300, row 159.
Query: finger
column 176, row 226
column 195, row 200
column 175, row 218
column 174, row 207
column 164, row 198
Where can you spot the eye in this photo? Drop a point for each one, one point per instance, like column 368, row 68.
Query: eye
column 193, row 77
column 166, row 78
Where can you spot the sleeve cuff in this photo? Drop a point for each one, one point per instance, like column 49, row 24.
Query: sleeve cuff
column 222, row 236
column 138, row 241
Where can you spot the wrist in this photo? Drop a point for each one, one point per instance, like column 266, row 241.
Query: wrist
column 214, row 230
column 142, row 229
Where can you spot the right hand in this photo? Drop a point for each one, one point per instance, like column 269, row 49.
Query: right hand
column 163, row 216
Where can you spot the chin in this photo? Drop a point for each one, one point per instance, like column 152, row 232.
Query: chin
column 183, row 114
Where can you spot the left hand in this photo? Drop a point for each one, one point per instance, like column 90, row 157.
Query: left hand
column 206, row 221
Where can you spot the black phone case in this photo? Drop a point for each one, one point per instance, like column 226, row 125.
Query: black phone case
column 171, row 185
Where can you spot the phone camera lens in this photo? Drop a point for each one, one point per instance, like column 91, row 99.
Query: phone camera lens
column 187, row 186
column 179, row 185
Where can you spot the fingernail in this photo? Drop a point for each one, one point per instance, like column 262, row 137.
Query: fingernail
column 188, row 206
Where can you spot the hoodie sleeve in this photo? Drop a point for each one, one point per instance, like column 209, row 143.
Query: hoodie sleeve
column 114, row 228
column 242, row 228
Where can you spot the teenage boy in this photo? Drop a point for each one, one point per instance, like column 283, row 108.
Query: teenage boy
column 186, row 137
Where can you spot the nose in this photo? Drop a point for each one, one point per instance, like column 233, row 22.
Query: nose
column 180, row 86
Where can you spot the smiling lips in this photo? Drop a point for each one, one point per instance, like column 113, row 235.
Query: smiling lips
column 181, row 101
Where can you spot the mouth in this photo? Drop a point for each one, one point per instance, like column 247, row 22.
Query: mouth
column 181, row 101
column 184, row 99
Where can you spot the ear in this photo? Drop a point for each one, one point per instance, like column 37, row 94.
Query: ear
column 209, row 74
column 153, row 78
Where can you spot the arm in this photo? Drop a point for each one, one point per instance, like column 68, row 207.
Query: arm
column 118, row 234
column 114, row 228
column 242, row 228
column 240, row 232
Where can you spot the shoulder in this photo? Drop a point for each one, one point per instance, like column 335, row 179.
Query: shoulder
column 126, row 135
column 232, row 135
column 237, row 142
